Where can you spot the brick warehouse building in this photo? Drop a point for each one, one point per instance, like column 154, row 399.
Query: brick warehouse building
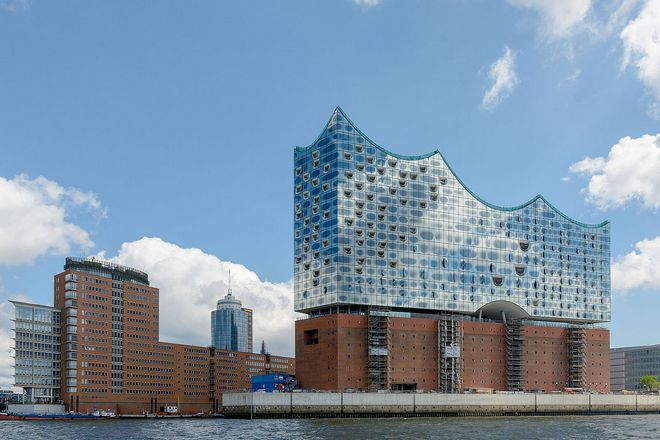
column 105, row 350
column 339, row 359
column 410, row 281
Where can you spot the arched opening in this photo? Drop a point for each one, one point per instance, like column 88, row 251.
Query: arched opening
column 494, row 310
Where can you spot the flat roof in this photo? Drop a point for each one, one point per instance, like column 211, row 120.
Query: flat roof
column 635, row 347
column 42, row 306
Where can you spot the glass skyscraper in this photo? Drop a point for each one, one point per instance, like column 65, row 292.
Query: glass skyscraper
column 231, row 324
column 374, row 228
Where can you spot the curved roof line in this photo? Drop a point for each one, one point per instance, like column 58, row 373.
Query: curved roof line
column 499, row 305
column 433, row 153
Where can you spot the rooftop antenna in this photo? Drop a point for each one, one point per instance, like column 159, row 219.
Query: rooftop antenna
column 229, row 286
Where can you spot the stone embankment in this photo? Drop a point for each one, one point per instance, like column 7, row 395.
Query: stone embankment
column 303, row 405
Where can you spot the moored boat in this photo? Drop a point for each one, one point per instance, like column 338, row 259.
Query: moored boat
column 105, row 414
column 35, row 416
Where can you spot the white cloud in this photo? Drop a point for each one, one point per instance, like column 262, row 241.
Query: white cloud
column 367, row 3
column 502, row 73
column 654, row 110
column 588, row 165
column 14, row 5
column 572, row 78
column 33, row 219
column 639, row 268
column 190, row 283
column 560, row 18
column 618, row 14
column 641, row 48
column 630, row 171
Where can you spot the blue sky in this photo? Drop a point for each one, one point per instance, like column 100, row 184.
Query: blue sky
column 177, row 121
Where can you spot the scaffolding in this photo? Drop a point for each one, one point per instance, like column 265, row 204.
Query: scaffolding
column 450, row 335
column 514, row 349
column 577, row 359
column 379, row 336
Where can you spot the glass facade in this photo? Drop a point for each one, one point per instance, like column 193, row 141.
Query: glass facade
column 230, row 326
column 37, row 352
column 373, row 228
column 629, row 364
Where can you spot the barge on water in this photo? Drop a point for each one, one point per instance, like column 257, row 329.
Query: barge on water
column 47, row 416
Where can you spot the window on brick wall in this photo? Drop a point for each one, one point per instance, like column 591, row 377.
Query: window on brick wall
column 311, row 337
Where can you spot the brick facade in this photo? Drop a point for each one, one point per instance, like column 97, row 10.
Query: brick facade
column 232, row 371
column 332, row 354
column 484, row 355
column 154, row 374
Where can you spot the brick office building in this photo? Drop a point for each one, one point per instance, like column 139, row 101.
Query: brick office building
column 410, row 281
column 110, row 353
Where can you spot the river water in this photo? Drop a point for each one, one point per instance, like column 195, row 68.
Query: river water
column 583, row 427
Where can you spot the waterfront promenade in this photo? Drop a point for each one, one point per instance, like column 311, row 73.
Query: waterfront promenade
column 348, row 405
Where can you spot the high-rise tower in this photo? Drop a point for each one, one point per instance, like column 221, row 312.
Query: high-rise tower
column 106, row 309
column 231, row 324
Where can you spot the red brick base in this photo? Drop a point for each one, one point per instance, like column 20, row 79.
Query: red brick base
column 331, row 354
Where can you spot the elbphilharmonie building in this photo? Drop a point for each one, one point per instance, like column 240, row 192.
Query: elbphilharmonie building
column 382, row 238
column 376, row 228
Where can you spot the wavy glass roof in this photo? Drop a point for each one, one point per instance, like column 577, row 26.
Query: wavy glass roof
column 376, row 228
column 338, row 110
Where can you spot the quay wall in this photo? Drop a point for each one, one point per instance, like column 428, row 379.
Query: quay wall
column 299, row 405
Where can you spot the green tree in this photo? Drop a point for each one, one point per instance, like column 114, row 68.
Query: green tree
column 649, row 383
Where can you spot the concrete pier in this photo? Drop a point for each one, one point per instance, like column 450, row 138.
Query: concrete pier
column 304, row 405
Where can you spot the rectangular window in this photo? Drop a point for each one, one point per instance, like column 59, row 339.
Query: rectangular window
column 311, row 337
